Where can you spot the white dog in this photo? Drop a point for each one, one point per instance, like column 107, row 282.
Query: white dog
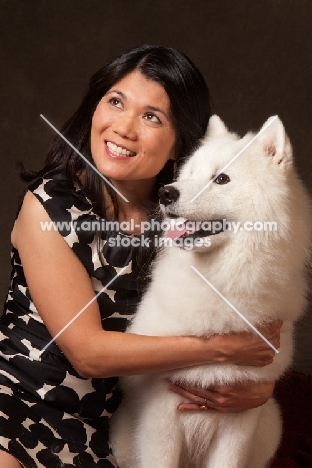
column 260, row 272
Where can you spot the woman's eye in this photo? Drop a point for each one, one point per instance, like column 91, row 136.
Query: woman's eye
column 115, row 102
column 222, row 179
column 152, row 117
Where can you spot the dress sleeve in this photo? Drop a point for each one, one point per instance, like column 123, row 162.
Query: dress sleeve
column 71, row 214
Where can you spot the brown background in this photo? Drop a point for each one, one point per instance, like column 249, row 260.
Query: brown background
column 255, row 55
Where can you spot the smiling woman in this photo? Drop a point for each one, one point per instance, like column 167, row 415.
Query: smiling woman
column 133, row 135
column 72, row 294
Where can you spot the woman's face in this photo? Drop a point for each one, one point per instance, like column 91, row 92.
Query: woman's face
column 132, row 133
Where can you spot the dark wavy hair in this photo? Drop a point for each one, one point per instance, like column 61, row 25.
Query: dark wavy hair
column 190, row 106
column 190, row 103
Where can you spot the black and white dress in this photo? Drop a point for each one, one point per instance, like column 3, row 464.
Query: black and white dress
column 49, row 415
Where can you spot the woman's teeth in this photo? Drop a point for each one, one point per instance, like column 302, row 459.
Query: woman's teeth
column 118, row 150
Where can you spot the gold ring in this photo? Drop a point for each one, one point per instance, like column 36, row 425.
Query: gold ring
column 205, row 405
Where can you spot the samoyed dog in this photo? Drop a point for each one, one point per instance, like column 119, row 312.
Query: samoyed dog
column 259, row 268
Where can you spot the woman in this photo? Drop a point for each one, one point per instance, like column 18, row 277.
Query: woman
column 143, row 113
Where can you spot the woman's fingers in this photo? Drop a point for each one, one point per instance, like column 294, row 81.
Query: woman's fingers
column 272, row 330
column 226, row 398
column 192, row 407
column 199, row 399
column 254, row 350
column 193, row 394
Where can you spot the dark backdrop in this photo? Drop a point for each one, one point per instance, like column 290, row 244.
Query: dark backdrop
column 255, row 56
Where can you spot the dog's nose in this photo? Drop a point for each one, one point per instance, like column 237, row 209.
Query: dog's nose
column 168, row 194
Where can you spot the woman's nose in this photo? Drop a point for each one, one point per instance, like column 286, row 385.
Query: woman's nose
column 125, row 126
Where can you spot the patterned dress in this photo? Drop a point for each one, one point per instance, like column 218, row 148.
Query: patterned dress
column 49, row 415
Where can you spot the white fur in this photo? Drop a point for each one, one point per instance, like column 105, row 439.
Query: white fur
column 261, row 273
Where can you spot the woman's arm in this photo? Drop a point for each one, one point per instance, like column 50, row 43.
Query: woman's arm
column 60, row 287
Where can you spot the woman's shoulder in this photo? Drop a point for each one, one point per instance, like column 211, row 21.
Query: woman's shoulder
column 70, row 211
column 56, row 192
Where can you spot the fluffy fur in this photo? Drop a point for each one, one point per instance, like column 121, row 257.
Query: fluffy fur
column 262, row 273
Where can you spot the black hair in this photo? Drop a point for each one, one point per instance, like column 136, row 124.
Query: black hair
column 190, row 106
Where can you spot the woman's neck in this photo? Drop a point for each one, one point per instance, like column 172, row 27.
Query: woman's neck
column 135, row 190
column 139, row 197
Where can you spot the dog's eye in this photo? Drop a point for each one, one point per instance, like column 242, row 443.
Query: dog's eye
column 222, row 179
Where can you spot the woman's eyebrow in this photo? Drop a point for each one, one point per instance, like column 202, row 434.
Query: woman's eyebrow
column 157, row 109
column 148, row 107
column 118, row 92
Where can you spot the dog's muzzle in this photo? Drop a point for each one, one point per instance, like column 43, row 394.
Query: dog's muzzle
column 169, row 194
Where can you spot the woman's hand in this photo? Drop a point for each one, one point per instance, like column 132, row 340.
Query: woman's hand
column 243, row 349
column 225, row 398
column 248, row 348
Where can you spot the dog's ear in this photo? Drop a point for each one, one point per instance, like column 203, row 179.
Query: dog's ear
column 276, row 142
column 216, row 127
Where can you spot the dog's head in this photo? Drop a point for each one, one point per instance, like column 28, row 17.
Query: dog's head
column 230, row 180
